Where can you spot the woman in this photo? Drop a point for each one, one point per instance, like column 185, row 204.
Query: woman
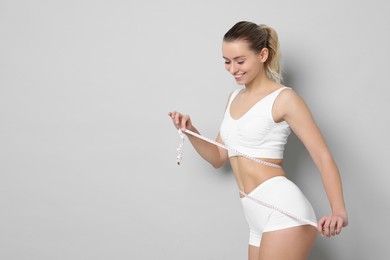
column 257, row 122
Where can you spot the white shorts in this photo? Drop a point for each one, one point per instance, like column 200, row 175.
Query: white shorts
column 281, row 193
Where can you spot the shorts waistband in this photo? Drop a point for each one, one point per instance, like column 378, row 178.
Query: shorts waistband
column 263, row 184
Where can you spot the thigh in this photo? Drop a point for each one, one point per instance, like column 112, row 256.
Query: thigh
column 290, row 243
column 253, row 252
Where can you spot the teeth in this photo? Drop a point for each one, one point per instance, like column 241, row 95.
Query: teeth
column 239, row 75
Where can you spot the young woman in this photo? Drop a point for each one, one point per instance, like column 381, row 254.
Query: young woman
column 257, row 122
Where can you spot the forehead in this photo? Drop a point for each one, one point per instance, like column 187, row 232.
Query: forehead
column 235, row 49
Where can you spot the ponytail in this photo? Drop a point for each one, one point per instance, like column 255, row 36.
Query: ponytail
column 272, row 64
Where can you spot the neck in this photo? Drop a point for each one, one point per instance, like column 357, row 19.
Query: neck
column 260, row 82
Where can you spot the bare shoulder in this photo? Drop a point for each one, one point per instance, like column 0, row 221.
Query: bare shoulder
column 288, row 95
column 288, row 103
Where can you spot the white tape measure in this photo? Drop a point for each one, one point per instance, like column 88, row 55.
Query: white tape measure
column 179, row 157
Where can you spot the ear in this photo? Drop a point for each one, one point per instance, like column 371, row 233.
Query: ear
column 263, row 55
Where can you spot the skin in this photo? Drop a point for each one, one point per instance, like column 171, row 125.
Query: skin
column 248, row 69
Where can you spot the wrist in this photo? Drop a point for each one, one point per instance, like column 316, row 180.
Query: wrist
column 192, row 129
column 341, row 213
column 340, row 210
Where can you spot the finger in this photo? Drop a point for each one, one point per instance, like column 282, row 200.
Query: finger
column 339, row 225
column 332, row 227
column 177, row 118
column 327, row 227
column 184, row 122
column 173, row 117
column 320, row 226
column 172, row 114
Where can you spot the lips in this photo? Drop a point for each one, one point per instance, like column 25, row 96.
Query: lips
column 239, row 76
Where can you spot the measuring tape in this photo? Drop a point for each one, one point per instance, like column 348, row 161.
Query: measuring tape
column 179, row 157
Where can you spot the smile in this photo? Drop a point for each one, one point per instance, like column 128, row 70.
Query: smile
column 239, row 75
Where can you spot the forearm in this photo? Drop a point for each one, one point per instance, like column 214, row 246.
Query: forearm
column 206, row 150
column 332, row 183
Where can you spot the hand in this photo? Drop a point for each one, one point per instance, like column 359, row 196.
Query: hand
column 180, row 121
column 332, row 225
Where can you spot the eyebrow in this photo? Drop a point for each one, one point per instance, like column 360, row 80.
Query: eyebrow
column 233, row 58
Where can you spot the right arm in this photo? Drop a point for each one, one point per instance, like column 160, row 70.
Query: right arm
column 215, row 155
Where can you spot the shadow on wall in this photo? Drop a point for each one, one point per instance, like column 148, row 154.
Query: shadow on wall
column 297, row 154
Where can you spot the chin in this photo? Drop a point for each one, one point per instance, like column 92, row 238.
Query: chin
column 241, row 82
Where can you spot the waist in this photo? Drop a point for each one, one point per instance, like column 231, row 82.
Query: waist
column 250, row 174
column 242, row 161
column 269, row 153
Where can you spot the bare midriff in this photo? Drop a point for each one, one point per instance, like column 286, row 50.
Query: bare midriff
column 250, row 174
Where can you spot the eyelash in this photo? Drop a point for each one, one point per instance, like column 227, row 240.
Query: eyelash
column 239, row 62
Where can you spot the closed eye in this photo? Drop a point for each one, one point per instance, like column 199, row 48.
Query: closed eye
column 239, row 62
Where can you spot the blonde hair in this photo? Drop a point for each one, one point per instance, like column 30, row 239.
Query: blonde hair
column 259, row 37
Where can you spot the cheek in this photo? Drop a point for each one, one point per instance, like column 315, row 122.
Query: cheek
column 253, row 67
column 246, row 67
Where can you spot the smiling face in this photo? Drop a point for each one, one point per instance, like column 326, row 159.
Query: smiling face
column 243, row 63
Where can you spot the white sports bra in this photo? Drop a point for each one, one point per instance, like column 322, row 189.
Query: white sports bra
column 255, row 133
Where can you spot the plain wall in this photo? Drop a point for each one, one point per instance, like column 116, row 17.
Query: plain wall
column 87, row 151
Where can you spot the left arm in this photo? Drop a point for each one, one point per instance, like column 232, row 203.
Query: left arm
column 290, row 107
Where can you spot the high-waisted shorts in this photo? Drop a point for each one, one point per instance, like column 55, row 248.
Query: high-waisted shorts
column 281, row 193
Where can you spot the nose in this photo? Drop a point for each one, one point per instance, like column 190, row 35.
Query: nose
column 233, row 68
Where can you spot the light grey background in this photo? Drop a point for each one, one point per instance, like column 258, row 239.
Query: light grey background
column 87, row 150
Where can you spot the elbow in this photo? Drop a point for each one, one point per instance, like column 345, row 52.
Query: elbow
column 219, row 159
column 218, row 164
